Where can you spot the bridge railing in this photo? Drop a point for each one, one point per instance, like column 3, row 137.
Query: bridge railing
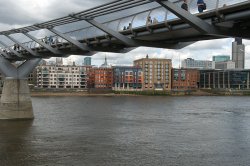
column 146, row 18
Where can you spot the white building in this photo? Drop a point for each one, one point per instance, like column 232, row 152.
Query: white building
column 53, row 76
column 225, row 65
column 190, row 63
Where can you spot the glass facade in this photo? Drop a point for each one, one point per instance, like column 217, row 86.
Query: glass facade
column 197, row 64
column 221, row 58
column 87, row 61
column 227, row 79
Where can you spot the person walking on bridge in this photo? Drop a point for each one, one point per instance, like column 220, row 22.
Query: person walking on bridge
column 201, row 5
column 184, row 5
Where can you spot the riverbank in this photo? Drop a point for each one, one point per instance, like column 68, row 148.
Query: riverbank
column 62, row 94
column 143, row 93
column 206, row 92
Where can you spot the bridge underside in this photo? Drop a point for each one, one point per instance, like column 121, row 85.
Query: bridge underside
column 173, row 34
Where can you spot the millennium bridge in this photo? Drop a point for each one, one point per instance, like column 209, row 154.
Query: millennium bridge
column 118, row 26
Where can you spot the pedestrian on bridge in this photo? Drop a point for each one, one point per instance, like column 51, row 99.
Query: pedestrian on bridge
column 50, row 40
column 15, row 46
column 201, row 5
column 45, row 40
column 184, row 5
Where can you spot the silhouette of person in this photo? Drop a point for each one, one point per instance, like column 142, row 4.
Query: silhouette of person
column 200, row 4
column 184, row 5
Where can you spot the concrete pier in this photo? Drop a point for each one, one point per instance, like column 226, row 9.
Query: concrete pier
column 15, row 100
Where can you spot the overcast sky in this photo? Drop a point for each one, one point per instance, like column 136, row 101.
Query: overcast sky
column 19, row 13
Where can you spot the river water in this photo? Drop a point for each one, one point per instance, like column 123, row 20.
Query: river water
column 131, row 131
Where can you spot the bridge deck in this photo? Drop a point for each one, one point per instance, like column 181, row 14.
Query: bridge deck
column 167, row 30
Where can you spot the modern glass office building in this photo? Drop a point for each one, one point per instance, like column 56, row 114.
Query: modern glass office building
column 225, row 79
column 87, row 61
column 221, row 58
column 197, row 64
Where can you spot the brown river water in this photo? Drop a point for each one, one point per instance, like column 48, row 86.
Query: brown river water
column 130, row 131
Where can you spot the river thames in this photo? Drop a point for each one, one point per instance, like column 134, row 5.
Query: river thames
column 130, row 131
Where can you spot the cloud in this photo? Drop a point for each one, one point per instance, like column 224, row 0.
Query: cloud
column 18, row 13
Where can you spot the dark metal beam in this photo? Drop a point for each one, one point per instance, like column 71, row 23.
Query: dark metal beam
column 195, row 22
column 58, row 22
column 117, row 35
column 69, row 39
column 12, row 50
column 119, row 9
column 23, row 46
column 100, row 7
column 115, row 8
column 5, row 55
column 48, row 47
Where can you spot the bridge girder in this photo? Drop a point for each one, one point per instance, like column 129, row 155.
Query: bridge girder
column 194, row 21
column 33, row 53
column 48, row 47
column 5, row 54
column 12, row 50
column 69, row 39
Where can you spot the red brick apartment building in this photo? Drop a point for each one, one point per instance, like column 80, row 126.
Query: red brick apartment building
column 185, row 79
column 101, row 78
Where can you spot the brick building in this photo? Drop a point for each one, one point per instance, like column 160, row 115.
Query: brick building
column 127, row 78
column 103, row 78
column 156, row 73
column 185, row 79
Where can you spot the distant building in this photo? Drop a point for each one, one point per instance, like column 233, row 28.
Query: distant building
column 127, row 78
column 156, row 73
column 225, row 65
column 59, row 61
column 87, row 61
column 70, row 62
column 225, row 79
column 185, row 79
column 51, row 63
column 91, row 78
column 55, row 76
column 32, row 78
column 102, row 77
column 43, row 62
column 105, row 64
column 221, row 58
column 238, row 53
column 197, row 64
column 1, row 80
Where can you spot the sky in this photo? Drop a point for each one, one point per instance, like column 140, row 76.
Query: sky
column 19, row 13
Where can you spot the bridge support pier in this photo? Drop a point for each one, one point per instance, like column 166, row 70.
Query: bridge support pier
column 15, row 100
